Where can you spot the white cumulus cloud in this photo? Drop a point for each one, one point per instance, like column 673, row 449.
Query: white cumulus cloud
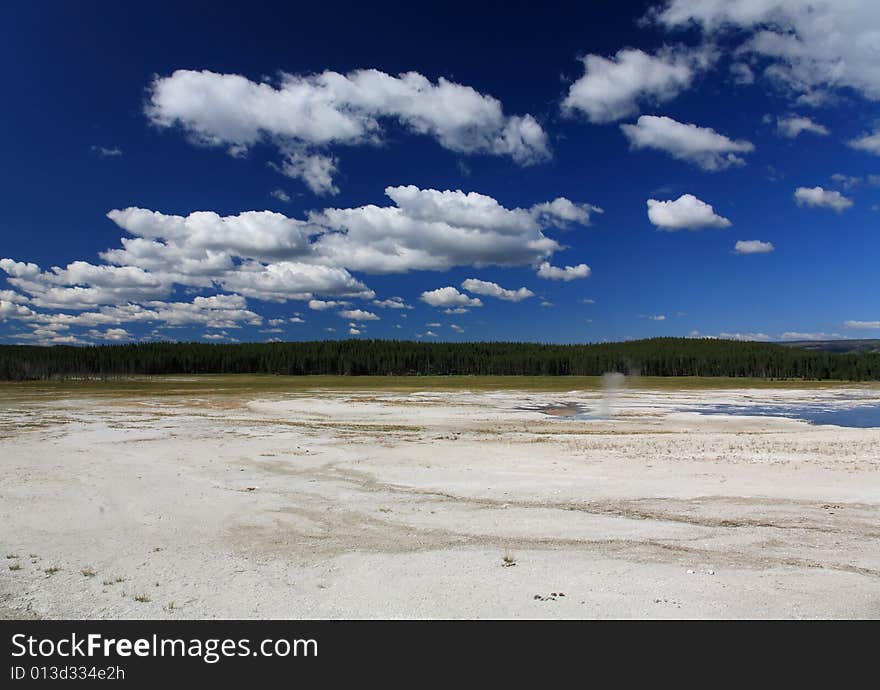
column 862, row 325
column 701, row 146
column 357, row 315
column 821, row 198
column 304, row 113
column 867, row 142
column 111, row 334
column 429, row 229
column 488, row 289
column 321, row 304
column 753, row 247
column 743, row 336
column 807, row 47
column 796, row 335
column 392, row 303
column 612, row 88
column 793, row 125
column 268, row 256
column 451, row 298
column 742, row 74
column 107, row 151
column 314, row 169
column 549, row 272
column 686, row 212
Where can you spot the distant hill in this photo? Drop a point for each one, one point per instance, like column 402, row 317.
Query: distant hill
column 836, row 346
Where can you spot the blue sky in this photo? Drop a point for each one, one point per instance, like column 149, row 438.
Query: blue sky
column 456, row 158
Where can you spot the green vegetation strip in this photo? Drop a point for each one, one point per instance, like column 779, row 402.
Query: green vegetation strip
column 675, row 357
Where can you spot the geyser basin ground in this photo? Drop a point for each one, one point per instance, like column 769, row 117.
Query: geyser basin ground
column 274, row 498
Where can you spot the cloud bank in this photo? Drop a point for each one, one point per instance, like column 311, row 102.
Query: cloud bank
column 268, row 256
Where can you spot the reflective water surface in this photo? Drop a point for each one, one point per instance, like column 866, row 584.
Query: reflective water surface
column 860, row 416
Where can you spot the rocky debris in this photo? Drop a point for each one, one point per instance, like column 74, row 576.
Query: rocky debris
column 553, row 596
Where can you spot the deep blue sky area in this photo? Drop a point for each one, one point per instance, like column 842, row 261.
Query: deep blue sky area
column 79, row 140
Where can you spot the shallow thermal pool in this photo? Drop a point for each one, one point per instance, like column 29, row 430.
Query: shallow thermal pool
column 846, row 412
column 859, row 416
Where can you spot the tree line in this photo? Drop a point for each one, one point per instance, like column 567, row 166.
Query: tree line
column 651, row 357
